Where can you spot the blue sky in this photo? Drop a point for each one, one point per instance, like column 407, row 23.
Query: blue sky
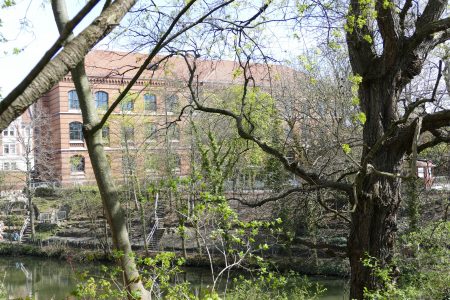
column 30, row 26
column 40, row 33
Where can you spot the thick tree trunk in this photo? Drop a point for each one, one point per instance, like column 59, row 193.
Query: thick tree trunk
column 108, row 191
column 372, row 234
column 374, row 220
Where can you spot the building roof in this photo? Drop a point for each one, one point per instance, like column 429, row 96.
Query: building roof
column 122, row 65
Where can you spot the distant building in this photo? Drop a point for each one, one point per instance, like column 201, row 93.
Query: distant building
column 137, row 134
column 13, row 143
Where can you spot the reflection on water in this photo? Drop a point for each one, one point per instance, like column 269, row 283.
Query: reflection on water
column 39, row 279
column 47, row 279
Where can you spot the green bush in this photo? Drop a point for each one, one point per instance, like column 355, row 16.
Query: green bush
column 271, row 286
column 424, row 264
column 14, row 220
column 45, row 192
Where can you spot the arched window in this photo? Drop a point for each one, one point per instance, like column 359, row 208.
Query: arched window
column 76, row 164
column 76, row 131
column 74, row 103
column 101, row 100
column 172, row 103
column 150, row 102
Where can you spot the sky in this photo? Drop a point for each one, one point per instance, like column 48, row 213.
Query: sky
column 30, row 26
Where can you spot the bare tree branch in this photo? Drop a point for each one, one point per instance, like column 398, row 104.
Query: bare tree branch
column 73, row 53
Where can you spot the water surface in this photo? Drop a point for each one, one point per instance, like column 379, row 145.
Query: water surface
column 47, row 279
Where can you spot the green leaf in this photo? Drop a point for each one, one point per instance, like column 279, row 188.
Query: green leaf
column 368, row 38
column 362, row 118
column 346, row 148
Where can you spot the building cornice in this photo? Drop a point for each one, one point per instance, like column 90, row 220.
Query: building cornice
column 153, row 82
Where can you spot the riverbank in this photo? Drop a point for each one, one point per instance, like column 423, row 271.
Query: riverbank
column 321, row 267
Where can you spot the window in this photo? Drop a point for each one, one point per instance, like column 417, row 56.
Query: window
column 176, row 162
column 76, row 164
column 420, row 172
column 150, row 102
column 101, row 100
column 9, row 149
column 151, row 131
column 13, row 166
column 6, row 166
column 172, row 103
column 128, row 134
column 9, row 131
column 173, row 132
column 27, row 130
column 76, row 131
column 127, row 105
column 105, row 135
column 74, row 103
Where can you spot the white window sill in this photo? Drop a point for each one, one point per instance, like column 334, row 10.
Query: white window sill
column 77, row 173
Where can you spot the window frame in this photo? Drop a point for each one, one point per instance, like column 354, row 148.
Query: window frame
column 172, row 102
column 7, row 147
column 101, row 105
column 150, row 103
column 80, row 168
column 9, row 131
column 73, row 100
column 78, row 132
column 127, row 106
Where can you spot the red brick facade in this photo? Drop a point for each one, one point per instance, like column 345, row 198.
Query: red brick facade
column 110, row 72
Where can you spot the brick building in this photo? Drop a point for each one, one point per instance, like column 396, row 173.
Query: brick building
column 140, row 135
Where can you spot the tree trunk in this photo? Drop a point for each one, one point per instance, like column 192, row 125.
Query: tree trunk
column 374, row 220
column 109, row 194
column 30, row 197
column 372, row 234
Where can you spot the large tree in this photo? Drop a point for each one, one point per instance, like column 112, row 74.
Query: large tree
column 387, row 45
column 405, row 40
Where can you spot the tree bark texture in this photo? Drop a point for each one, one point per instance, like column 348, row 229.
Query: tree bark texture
column 387, row 136
column 108, row 191
column 374, row 219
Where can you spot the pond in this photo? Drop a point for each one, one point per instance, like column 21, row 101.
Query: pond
column 45, row 279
